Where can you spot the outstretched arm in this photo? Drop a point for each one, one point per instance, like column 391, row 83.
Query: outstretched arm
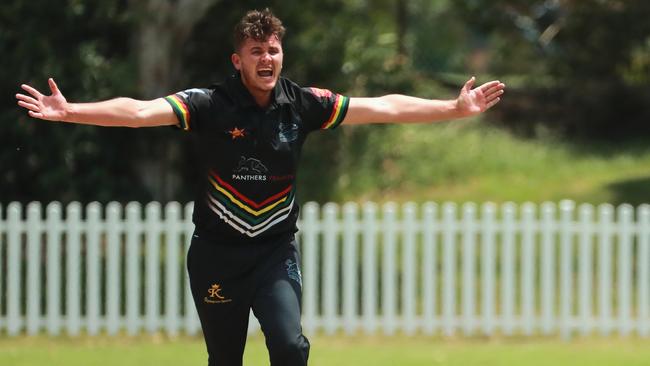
column 404, row 109
column 119, row 112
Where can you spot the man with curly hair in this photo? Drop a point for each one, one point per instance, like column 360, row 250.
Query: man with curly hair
column 250, row 130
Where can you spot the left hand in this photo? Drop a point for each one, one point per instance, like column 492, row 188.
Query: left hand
column 471, row 102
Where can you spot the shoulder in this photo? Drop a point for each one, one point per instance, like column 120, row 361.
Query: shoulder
column 291, row 89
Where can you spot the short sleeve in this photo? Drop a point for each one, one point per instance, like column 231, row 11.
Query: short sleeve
column 189, row 105
column 322, row 109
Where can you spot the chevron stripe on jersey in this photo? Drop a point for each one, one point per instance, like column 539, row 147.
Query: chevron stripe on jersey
column 242, row 213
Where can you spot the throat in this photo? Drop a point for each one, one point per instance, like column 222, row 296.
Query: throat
column 263, row 100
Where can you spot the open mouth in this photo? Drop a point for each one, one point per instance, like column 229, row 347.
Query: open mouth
column 265, row 73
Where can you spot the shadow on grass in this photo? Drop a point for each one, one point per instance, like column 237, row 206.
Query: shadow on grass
column 633, row 191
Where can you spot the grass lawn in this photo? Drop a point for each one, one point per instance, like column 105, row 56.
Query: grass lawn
column 339, row 351
column 472, row 161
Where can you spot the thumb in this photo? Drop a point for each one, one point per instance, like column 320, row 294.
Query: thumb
column 468, row 85
column 53, row 87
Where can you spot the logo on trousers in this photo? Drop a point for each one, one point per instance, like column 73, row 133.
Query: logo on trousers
column 293, row 271
column 215, row 296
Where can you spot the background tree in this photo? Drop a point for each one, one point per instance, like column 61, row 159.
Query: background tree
column 579, row 69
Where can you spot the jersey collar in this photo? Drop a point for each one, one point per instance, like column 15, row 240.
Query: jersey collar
column 245, row 98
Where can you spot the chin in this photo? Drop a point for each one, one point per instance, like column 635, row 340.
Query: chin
column 267, row 85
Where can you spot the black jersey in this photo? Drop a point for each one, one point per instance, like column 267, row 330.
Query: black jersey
column 250, row 155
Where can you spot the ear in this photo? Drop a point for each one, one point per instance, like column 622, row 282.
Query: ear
column 236, row 61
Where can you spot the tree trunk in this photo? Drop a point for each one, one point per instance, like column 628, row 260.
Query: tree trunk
column 401, row 18
column 164, row 26
column 163, row 29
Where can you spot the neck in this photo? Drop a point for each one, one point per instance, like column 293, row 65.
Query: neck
column 262, row 98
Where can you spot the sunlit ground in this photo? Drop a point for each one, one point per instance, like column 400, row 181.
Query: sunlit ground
column 331, row 350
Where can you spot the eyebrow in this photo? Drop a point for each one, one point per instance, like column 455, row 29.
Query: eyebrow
column 256, row 48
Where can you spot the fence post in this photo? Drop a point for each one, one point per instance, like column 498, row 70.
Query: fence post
column 468, row 233
column 449, row 268
column 53, row 278
column 309, row 231
column 548, row 297
column 34, row 289
column 173, row 266
column 389, row 281
column 73, row 266
column 528, row 211
column 113, row 255
column 409, row 268
column 584, row 282
column 14, row 286
column 625, row 268
column 643, row 274
column 566, row 272
column 93, row 264
column 369, row 276
column 330, row 267
column 133, row 226
column 605, row 224
column 488, row 267
column 350, row 280
column 508, row 268
column 429, row 266
column 152, row 266
column 192, row 323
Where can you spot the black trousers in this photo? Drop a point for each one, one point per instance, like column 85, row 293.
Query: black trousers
column 228, row 280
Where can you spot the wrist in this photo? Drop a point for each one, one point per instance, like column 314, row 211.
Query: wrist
column 69, row 112
column 457, row 110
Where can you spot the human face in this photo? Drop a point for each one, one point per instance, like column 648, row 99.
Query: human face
column 259, row 64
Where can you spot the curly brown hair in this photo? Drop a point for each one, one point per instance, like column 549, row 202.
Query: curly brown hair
column 258, row 25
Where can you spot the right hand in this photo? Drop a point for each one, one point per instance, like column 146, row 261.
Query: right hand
column 48, row 107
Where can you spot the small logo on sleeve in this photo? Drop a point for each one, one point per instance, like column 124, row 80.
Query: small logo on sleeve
column 215, row 296
column 321, row 93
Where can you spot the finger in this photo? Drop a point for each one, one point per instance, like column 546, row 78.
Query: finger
column 494, row 94
column 31, row 107
column 468, row 85
column 53, row 87
column 492, row 103
column 493, row 89
column 26, row 98
column 32, row 91
column 35, row 114
column 489, row 84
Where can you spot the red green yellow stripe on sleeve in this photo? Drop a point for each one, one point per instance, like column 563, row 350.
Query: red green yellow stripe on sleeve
column 181, row 111
column 338, row 112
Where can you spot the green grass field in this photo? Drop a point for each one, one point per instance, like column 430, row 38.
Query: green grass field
column 472, row 161
column 332, row 351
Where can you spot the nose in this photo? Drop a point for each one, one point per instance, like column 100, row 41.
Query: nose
column 266, row 57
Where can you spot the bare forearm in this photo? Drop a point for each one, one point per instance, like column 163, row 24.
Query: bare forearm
column 124, row 112
column 407, row 109
column 395, row 108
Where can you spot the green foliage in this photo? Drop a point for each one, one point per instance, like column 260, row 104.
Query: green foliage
column 83, row 46
column 574, row 68
column 583, row 62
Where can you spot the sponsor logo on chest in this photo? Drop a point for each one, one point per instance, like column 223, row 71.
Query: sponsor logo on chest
column 251, row 169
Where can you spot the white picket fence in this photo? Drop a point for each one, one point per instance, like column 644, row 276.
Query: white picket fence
column 430, row 269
